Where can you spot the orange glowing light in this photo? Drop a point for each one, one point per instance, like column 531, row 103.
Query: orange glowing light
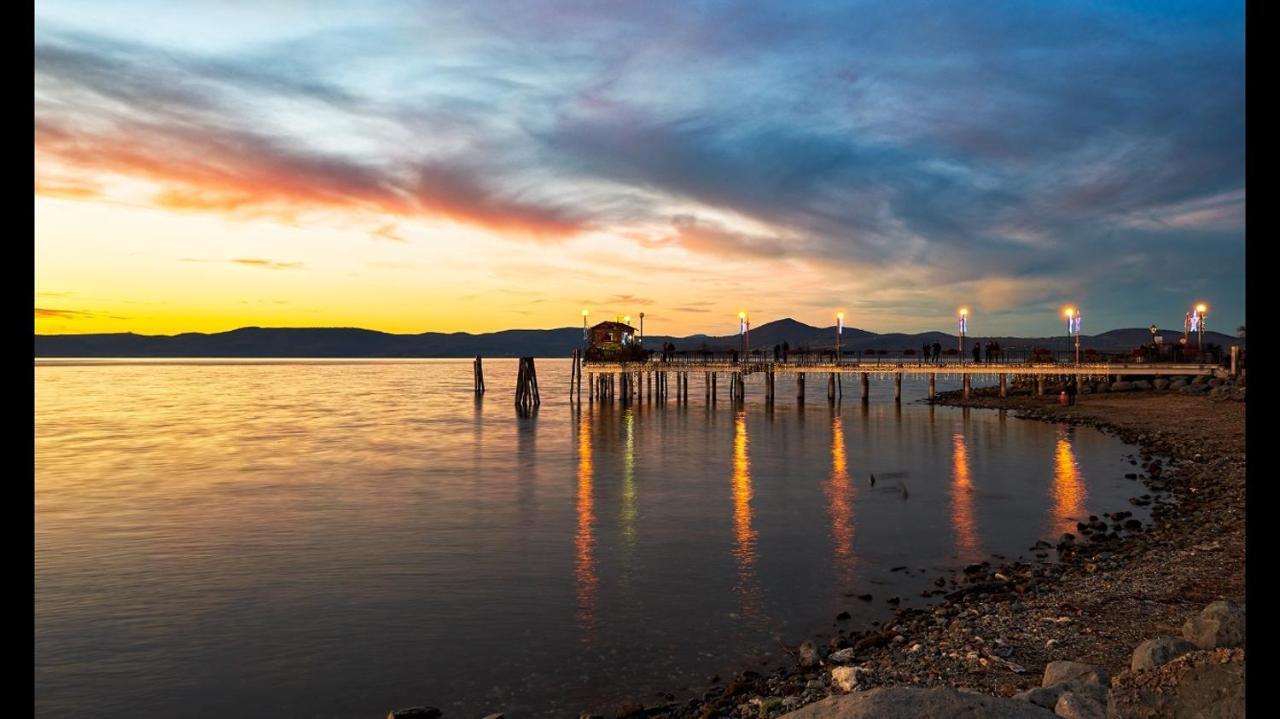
column 962, row 513
column 1202, row 308
column 1068, row 486
column 1069, row 312
column 584, row 541
column 840, row 504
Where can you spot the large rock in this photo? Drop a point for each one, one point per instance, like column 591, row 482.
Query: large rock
column 1078, row 706
column 846, row 678
column 1141, row 384
column 1198, row 684
column 1121, row 386
column 1046, row 697
column 1087, row 679
column 1160, row 383
column 1221, row 624
column 1161, row 650
column 917, row 703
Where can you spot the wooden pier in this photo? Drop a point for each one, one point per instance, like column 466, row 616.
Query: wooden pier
column 624, row 380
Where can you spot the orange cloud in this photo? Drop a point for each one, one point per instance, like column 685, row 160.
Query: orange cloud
column 216, row 170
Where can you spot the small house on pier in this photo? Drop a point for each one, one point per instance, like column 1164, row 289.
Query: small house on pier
column 614, row 342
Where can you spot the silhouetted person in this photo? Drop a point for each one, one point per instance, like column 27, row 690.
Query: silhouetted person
column 786, row 350
column 735, row 356
column 1071, row 391
column 937, row 352
column 977, row 353
column 924, row 353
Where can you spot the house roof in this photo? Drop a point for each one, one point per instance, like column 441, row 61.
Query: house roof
column 614, row 326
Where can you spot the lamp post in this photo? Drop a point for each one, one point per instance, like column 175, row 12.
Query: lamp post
column 584, row 324
column 1201, row 309
column 839, row 330
column 964, row 326
column 642, row 328
column 1073, row 327
column 744, row 329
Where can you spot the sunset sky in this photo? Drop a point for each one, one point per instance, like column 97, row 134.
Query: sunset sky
column 476, row 166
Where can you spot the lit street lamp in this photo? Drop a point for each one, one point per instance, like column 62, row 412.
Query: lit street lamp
column 1073, row 327
column 964, row 326
column 744, row 329
column 1201, row 309
column 584, row 324
column 641, row 327
column 839, row 330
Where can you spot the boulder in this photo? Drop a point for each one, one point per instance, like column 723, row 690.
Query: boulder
column 1160, row 383
column 846, row 678
column 1046, row 697
column 1087, row 679
column 919, row 703
column 1078, row 706
column 1221, row 624
column 1177, row 384
column 1196, row 684
column 1121, row 386
column 1142, row 384
column 1101, row 387
column 1161, row 650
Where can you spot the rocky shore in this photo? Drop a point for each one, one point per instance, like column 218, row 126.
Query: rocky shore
column 1138, row 601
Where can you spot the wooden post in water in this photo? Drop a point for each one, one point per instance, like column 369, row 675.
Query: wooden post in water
column 1004, row 384
column 800, row 387
column 965, row 383
column 1039, row 384
column 831, row 387
column 706, row 385
column 1235, row 360
column 527, row 396
column 713, row 387
column 866, row 387
column 933, row 385
column 897, row 386
column 479, row 376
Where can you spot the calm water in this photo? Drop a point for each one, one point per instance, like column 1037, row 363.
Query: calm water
column 342, row 538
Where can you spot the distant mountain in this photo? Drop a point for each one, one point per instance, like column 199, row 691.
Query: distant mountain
column 353, row 342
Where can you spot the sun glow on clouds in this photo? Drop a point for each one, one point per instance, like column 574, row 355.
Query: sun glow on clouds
column 462, row 168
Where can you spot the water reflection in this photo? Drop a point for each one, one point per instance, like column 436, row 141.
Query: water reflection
column 963, row 521
column 1068, row 485
column 585, row 564
column 744, row 534
column 628, row 514
column 840, row 504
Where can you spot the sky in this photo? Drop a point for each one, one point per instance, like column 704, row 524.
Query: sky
column 478, row 166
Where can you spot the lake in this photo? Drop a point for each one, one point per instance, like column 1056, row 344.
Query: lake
column 340, row 538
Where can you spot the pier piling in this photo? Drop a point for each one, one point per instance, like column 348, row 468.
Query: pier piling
column 479, row 376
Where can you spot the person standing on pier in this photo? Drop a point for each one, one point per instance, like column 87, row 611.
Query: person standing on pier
column 924, row 353
column 977, row 353
column 937, row 352
column 786, row 349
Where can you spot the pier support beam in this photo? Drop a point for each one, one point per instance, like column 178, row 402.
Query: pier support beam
column 1004, row 385
column 479, row 374
column 1039, row 384
column 527, row 397
column 897, row 386
column 713, row 387
column 800, row 387
column 1235, row 360
column 967, row 386
column 831, row 387
column 866, row 387
column 933, row 385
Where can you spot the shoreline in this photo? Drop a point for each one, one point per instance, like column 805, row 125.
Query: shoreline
column 995, row 625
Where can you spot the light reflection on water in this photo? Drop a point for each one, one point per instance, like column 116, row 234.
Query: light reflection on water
column 337, row 539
